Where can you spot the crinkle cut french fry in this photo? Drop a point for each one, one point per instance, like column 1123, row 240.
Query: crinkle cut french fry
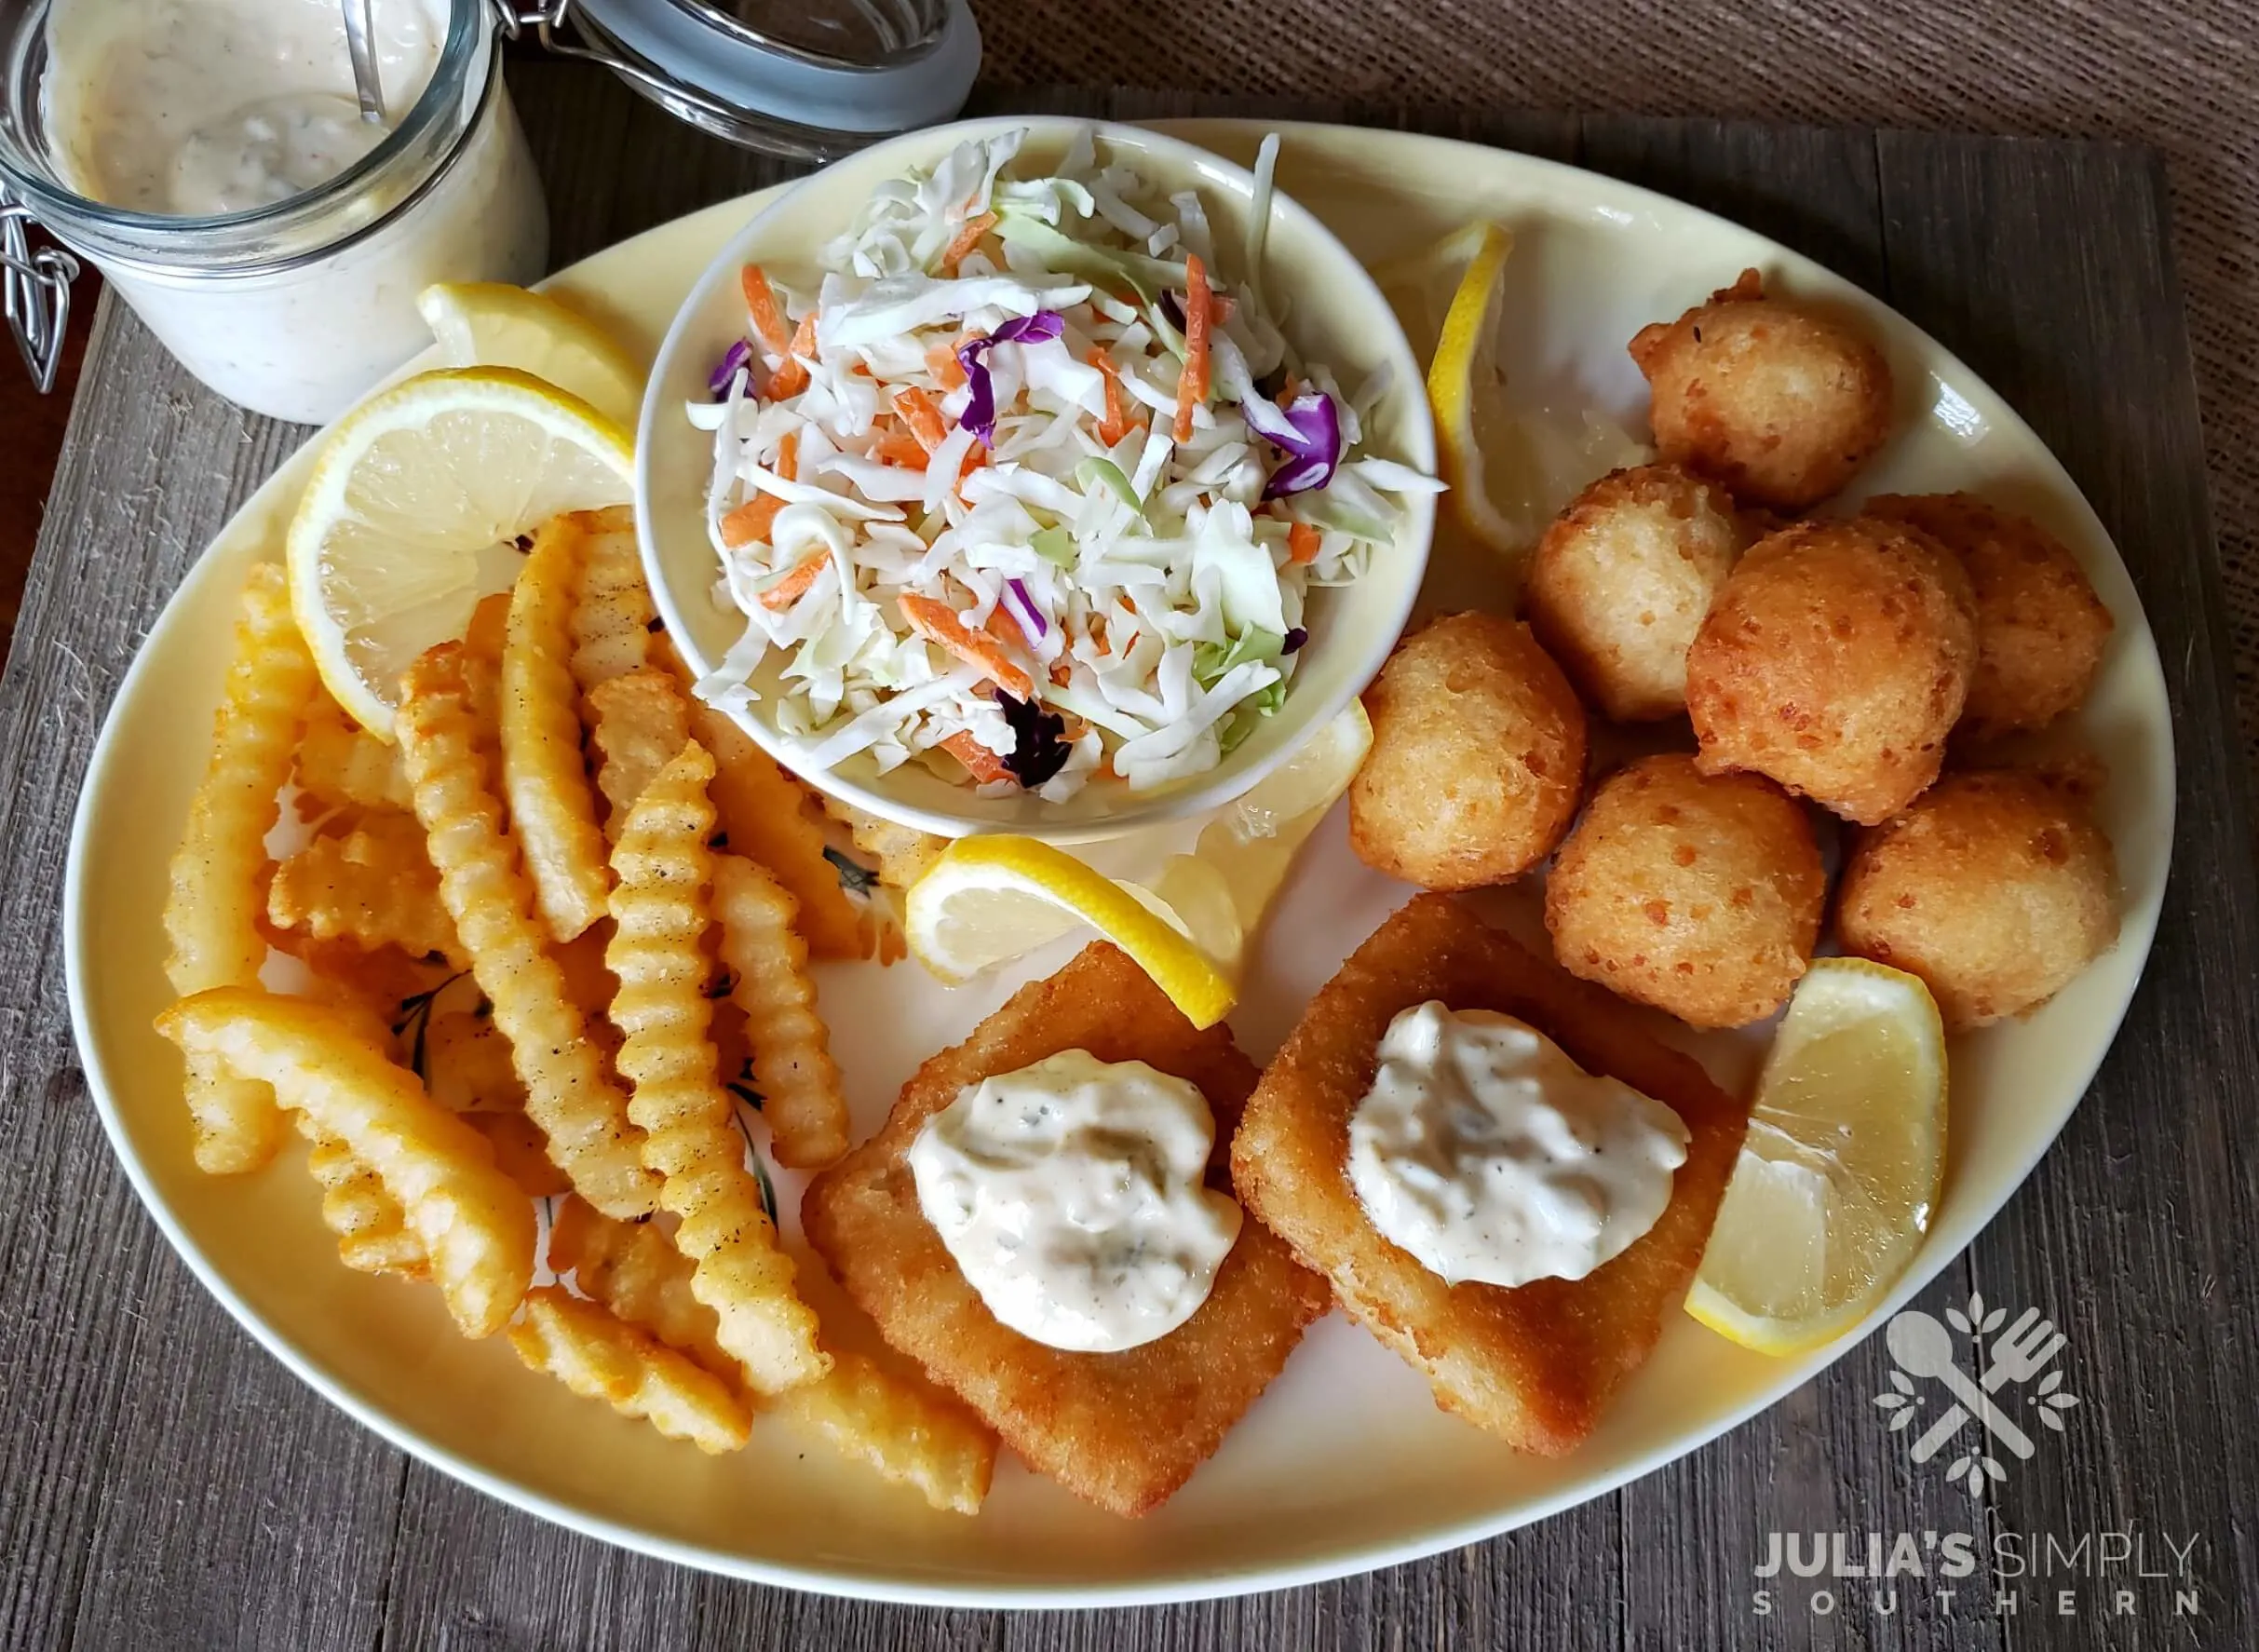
column 904, row 1427
column 371, row 1229
column 373, row 886
column 659, row 913
column 903, row 853
column 769, row 819
column 601, row 1357
column 634, row 1269
column 519, row 1153
column 211, row 911
column 802, row 1098
column 637, row 722
column 612, row 619
column 474, row 1225
column 553, row 807
column 568, row 1094
column 341, row 764
column 467, row 1065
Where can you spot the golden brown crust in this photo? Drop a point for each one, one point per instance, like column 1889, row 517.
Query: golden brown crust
column 1775, row 400
column 1620, row 581
column 1124, row 1430
column 2041, row 627
column 1538, row 1363
column 1478, row 756
column 1699, row 895
column 1835, row 661
column 1996, row 888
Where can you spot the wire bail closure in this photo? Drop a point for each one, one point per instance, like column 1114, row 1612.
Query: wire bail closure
column 38, row 292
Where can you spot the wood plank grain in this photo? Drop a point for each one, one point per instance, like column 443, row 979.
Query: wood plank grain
column 2138, row 1223
column 163, row 1482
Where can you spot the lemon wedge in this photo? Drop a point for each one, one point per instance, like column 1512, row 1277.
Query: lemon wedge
column 1839, row 1174
column 412, row 510
column 1463, row 385
column 494, row 324
column 989, row 898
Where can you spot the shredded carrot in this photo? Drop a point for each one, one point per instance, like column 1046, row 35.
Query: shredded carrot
column 792, row 378
column 983, row 763
column 751, row 521
column 1192, row 383
column 967, row 240
column 923, row 417
column 941, row 361
column 897, row 446
column 1286, row 389
column 767, row 315
column 1061, row 676
column 1220, row 308
column 1302, row 541
column 938, row 625
column 975, row 456
column 1116, row 423
column 1127, row 603
column 788, row 456
column 795, row 585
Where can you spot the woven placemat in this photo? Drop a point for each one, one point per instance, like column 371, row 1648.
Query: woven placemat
column 2181, row 77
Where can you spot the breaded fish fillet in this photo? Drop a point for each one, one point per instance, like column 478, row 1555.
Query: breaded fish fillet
column 1535, row 1364
column 1124, row 1429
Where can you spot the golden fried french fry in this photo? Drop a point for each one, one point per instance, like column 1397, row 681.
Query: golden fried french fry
column 467, row 1065
column 520, row 1154
column 212, row 912
column 903, row 853
column 568, row 1094
column 770, row 819
column 612, row 619
column 341, row 764
column 637, row 722
column 634, row 1269
column 473, row 1223
column 895, row 1422
column 371, row 1229
column 660, row 911
column 553, row 807
column 601, row 1357
column 767, row 961
column 373, row 886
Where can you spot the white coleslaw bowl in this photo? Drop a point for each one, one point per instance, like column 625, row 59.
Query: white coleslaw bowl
column 1329, row 308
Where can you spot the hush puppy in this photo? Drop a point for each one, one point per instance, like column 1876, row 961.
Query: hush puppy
column 1996, row 888
column 1835, row 660
column 1621, row 580
column 1478, row 756
column 2041, row 627
column 1698, row 895
column 1776, row 400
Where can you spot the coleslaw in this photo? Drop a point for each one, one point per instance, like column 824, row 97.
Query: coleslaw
column 1027, row 490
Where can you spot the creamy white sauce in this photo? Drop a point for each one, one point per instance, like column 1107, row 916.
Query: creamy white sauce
column 198, row 107
column 1070, row 1195
column 1491, row 1156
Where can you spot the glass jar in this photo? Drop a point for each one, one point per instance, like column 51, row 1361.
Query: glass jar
column 296, row 308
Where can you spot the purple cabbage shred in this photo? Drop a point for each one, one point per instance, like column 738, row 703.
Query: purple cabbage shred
column 738, row 356
column 1040, row 748
column 1027, row 614
column 1294, row 640
column 1309, row 431
column 979, row 415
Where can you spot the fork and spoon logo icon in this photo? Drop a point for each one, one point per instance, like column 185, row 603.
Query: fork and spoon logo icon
column 1923, row 1348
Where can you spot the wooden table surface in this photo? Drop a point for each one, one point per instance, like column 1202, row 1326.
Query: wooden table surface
column 165, row 1483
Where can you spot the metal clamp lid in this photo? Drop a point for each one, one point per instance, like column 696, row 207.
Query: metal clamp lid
column 37, row 290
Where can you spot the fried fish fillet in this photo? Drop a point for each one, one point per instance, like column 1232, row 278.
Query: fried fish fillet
column 1535, row 1364
column 1124, row 1429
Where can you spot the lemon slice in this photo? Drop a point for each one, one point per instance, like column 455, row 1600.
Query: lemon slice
column 1464, row 389
column 1220, row 890
column 989, row 898
column 1838, row 1177
column 494, row 324
column 411, row 511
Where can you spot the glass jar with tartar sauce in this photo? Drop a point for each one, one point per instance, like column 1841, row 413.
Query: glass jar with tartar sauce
column 209, row 157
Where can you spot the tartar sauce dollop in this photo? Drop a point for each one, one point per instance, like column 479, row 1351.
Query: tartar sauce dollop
column 1070, row 1193
column 1491, row 1156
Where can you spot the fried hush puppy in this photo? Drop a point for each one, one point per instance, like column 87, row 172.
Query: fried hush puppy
column 2041, row 627
column 1996, row 888
column 1772, row 399
column 1478, row 756
column 1698, row 895
column 1619, row 585
column 1835, row 661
